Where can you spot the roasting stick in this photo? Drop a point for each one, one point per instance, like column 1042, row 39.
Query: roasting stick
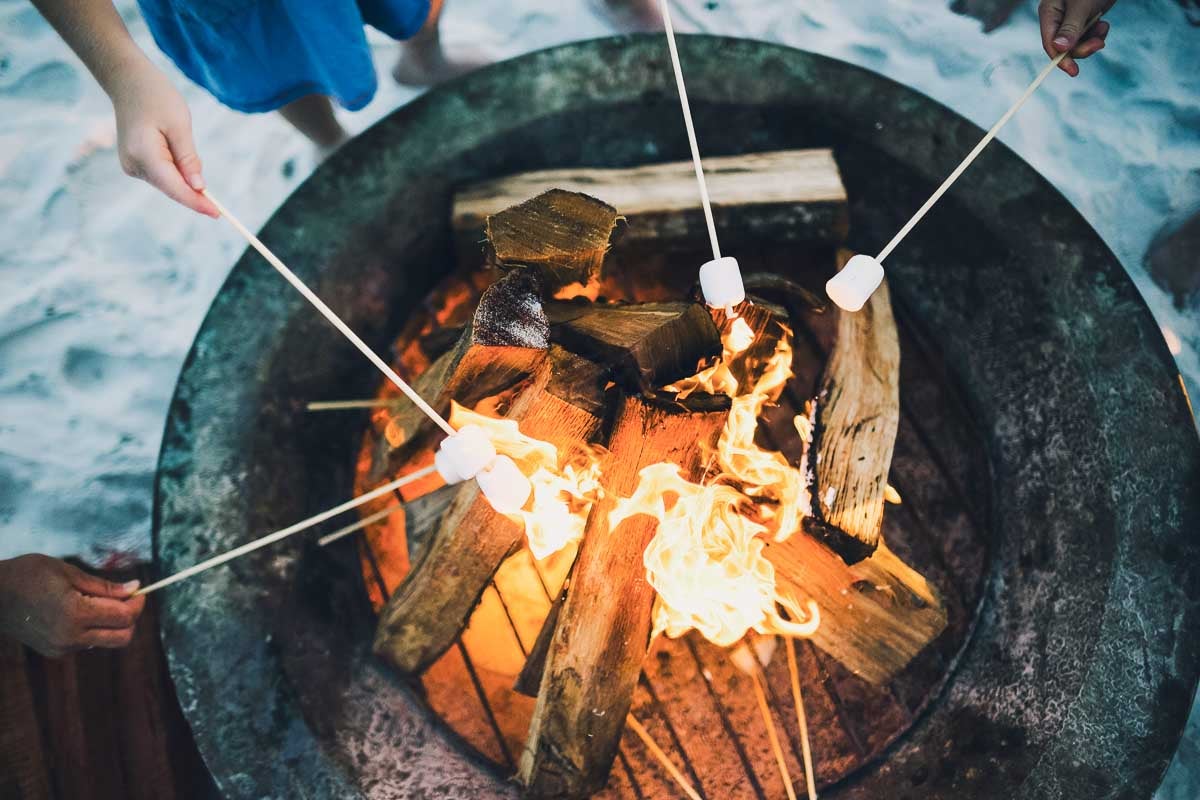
column 801, row 718
column 342, row 533
column 271, row 538
column 724, row 273
column 745, row 660
column 856, row 282
column 333, row 318
column 662, row 757
column 345, row 405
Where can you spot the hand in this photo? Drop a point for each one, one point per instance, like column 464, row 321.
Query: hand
column 1063, row 31
column 55, row 608
column 154, row 136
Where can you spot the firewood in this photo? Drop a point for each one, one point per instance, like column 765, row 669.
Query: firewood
column 510, row 313
column 858, row 411
column 603, row 627
column 649, row 344
column 875, row 615
column 431, row 607
column 564, row 235
column 791, row 195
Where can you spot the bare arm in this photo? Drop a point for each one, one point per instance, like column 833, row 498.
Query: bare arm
column 154, row 126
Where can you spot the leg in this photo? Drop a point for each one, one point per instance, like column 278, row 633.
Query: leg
column 423, row 62
column 313, row 116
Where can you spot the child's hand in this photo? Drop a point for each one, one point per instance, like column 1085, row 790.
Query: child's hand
column 1063, row 24
column 154, row 136
column 55, row 608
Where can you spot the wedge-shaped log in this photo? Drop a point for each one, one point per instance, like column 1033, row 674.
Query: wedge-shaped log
column 858, row 412
column 564, row 235
column 875, row 615
column 432, row 606
column 603, row 627
column 648, row 344
column 790, row 195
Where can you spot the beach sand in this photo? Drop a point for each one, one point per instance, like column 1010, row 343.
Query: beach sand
column 103, row 282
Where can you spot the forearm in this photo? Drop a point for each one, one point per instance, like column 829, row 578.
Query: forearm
column 97, row 34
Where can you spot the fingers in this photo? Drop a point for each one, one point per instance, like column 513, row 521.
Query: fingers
column 1093, row 41
column 98, row 587
column 1063, row 23
column 106, row 637
column 187, row 161
column 1050, row 16
column 105, row 612
column 150, row 158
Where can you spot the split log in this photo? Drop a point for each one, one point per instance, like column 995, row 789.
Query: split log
column 564, row 235
column 858, row 412
column 648, row 344
column 789, row 195
column 432, row 606
column 603, row 628
column 875, row 615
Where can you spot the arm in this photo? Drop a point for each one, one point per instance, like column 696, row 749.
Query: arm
column 154, row 126
column 55, row 608
column 1063, row 23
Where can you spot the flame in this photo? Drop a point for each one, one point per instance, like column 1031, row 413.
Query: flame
column 564, row 488
column 706, row 561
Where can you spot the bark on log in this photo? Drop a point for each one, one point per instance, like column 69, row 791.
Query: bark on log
column 789, row 195
column 564, row 235
column 858, row 411
column 433, row 604
column 598, row 646
column 648, row 344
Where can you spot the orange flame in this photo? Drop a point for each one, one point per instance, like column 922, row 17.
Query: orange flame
column 564, row 488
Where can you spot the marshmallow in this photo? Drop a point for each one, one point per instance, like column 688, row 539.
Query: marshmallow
column 721, row 282
column 505, row 487
column 462, row 455
column 852, row 287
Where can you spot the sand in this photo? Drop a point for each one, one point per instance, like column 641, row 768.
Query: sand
column 103, row 282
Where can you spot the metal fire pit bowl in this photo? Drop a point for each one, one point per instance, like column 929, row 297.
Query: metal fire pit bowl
column 1081, row 671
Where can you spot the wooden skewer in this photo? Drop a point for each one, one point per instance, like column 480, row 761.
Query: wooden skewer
column 342, row 533
column 285, row 532
column 662, row 757
column 801, row 719
column 970, row 158
column 329, row 314
column 769, row 719
column 344, row 405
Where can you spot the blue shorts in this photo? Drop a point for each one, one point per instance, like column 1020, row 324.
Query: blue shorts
column 258, row 55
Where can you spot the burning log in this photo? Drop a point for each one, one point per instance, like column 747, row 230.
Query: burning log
column 649, row 344
column 794, row 195
column 431, row 607
column 564, row 235
column 603, row 627
column 858, row 412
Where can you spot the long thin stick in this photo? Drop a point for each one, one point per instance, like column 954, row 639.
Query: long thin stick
column 328, row 313
column 288, row 531
column 345, row 405
column 966, row 162
column 342, row 533
column 691, row 130
column 662, row 757
column 769, row 719
column 801, row 719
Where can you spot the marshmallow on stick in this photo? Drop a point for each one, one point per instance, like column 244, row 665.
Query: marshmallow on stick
column 469, row 453
column 852, row 287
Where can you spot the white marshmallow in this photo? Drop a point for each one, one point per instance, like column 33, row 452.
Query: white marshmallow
column 721, row 282
column 853, row 286
column 504, row 485
column 464, row 454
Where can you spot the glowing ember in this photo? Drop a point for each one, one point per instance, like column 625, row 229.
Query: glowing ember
column 563, row 489
column 706, row 561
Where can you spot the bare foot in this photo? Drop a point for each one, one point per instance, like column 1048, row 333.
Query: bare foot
column 426, row 63
column 632, row 15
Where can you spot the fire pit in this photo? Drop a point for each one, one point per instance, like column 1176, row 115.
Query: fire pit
column 1071, row 559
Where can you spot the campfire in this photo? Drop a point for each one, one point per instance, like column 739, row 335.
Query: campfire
column 706, row 520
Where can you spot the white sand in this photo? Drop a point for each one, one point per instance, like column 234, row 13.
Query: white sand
column 103, row 282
